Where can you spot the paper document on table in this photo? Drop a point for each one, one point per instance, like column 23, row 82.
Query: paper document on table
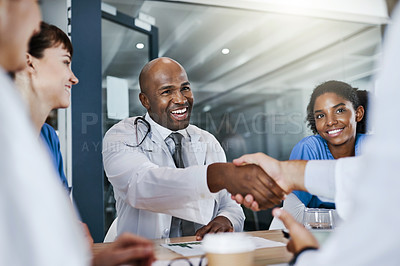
column 194, row 248
column 265, row 243
column 180, row 262
column 186, row 248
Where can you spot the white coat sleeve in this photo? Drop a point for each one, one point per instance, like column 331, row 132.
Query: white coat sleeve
column 335, row 180
column 227, row 207
column 38, row 224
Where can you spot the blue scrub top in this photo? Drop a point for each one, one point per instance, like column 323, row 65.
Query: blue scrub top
column 316, row 148
column 49, row 136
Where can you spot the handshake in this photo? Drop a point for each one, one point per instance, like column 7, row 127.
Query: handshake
column 259, row 182
column 256, row 180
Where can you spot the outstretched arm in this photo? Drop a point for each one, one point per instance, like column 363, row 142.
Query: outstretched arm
column 289, row 175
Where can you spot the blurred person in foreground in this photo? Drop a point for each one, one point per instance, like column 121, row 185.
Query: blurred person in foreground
column 39, row 224
column 365, row 188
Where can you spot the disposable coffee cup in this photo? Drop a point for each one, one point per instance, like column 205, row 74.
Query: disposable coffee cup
column 234, row 249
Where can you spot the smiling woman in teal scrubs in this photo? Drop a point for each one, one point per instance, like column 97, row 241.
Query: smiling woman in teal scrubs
column 336, row 114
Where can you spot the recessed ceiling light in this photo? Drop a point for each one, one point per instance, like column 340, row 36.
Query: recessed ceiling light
column 207, row 108
column 140, row 45
column 225, row 51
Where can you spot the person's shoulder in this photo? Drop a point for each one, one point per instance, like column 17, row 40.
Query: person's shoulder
column 121, row 131
column 308, row 148
column 48, row 133
column 360, row 139
column 47, row 129
column 362, row 136
column 311, row 141
column 199, row 131
column 49, row 136
column 204, row 134
column 123, row 125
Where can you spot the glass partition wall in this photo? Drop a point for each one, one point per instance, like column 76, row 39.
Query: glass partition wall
column 252, row 72
column 124, row 51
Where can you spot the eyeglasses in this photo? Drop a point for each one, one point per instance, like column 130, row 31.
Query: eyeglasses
column 184, row 261
column 143, row 121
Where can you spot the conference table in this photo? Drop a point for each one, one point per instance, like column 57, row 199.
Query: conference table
column 264, row 256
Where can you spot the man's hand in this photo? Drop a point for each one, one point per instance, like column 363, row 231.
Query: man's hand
column 127, row 249
column 300, row 237
column 218, row 224
column 289, row 175
column 247, row 179
column 248, row 201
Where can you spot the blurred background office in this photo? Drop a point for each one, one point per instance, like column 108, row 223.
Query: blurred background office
column 252, row 65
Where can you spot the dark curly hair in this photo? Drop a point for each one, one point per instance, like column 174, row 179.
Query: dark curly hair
column 48, row 36
column 344, row 90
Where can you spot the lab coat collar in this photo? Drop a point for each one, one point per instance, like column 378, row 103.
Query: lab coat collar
column 159, row 133
column 163, row 131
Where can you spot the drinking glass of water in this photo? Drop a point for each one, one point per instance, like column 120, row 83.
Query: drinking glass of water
column 315, row 218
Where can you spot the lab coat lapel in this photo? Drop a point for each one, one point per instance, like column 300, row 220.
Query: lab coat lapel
column 198, row 146
column 157, row 143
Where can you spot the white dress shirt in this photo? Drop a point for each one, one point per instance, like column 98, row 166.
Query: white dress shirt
column 38, row 226
column 148, row 187
column 366, row 188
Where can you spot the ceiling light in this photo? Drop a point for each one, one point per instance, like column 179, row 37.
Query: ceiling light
column 313, row 66
column 140, row 45
column 207, row 108
column 225, row 51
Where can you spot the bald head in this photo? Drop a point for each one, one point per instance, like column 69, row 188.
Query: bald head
column 166, row 93
column 158, row 66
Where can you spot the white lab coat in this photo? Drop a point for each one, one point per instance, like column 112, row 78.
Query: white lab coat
column 38, row 226
column 149, row 189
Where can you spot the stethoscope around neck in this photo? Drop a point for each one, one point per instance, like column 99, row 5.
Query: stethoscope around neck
column 142, row 120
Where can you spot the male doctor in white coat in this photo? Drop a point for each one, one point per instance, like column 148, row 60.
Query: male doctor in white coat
column 152, row 192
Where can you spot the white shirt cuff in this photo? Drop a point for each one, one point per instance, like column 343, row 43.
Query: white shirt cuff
column 202, row 186
column 319, row 178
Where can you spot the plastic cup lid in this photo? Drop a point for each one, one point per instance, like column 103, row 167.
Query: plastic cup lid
column 222, row 243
